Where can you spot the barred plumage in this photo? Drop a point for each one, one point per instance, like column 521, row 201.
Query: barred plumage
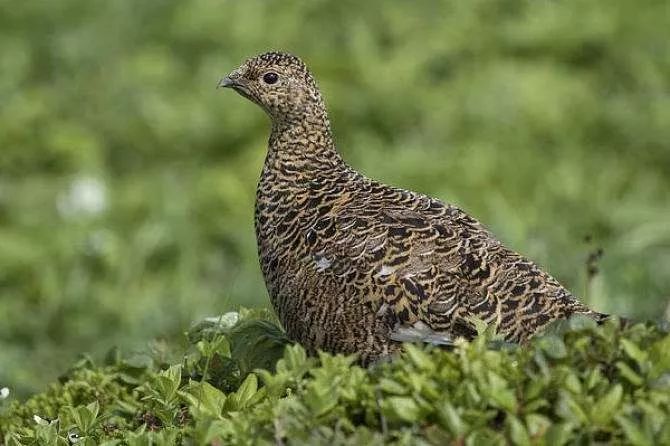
column 352, row 265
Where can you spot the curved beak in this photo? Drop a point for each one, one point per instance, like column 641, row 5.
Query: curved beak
column 237, row 83
column 226, row 82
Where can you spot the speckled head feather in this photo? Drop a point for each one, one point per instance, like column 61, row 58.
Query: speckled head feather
column 280, row 83
column 353, row 265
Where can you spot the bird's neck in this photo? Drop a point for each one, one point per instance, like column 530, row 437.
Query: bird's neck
column 303, row 145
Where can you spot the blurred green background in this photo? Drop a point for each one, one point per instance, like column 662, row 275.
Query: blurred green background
column 127, row 181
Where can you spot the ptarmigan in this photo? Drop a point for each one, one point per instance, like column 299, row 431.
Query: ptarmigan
column 352, row 265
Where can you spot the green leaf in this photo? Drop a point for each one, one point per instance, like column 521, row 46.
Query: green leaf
column 391, row 386
column 403, row 408
column 633, row 432
column 499, row 392
column 629, row 374
column 553, row 346
column 84, row 417
column 517, row 431
column 256, row 344
column 203, row 399
column 167, row 382
column 605, row 408
column 635, row 353
column 559, row 434
column 47, row 435
column 320, row 400
column 659, row 354
column 219, row 345
column 451, row 420
column 594, row 378
column 245, row 394
column 295, row 358
column 537, row 424
column 572, row 383
column 581, row 322
column 568, row 409
column 419, row 358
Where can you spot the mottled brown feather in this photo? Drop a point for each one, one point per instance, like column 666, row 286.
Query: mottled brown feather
column 349, row 261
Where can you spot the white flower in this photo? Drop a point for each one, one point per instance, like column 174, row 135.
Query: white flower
column 4, row 393
column 84, row 196
column 226, row 320
column 230, row 319
column 39, row 420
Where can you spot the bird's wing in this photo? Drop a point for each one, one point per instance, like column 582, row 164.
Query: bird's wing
column 432, row 264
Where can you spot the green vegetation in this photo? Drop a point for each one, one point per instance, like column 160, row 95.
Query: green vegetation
column 127, row 181
column 578, row 384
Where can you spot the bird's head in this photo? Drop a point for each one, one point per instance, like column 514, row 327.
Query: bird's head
column 280, row 83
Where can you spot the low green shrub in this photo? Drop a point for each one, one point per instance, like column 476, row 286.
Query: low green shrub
column 239, row 383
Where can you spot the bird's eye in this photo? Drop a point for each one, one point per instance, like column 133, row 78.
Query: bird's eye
column 270, row 78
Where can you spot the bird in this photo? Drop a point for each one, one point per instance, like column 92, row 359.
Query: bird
column 354, row 266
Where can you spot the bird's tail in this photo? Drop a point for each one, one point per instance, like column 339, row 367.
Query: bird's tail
column 601, row 318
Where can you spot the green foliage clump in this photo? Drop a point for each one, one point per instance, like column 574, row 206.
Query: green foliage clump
column 578, row 383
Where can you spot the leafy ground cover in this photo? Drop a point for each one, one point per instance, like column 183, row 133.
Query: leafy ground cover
column 241, row 383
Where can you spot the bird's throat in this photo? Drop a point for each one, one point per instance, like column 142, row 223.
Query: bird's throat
column 304, row 145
